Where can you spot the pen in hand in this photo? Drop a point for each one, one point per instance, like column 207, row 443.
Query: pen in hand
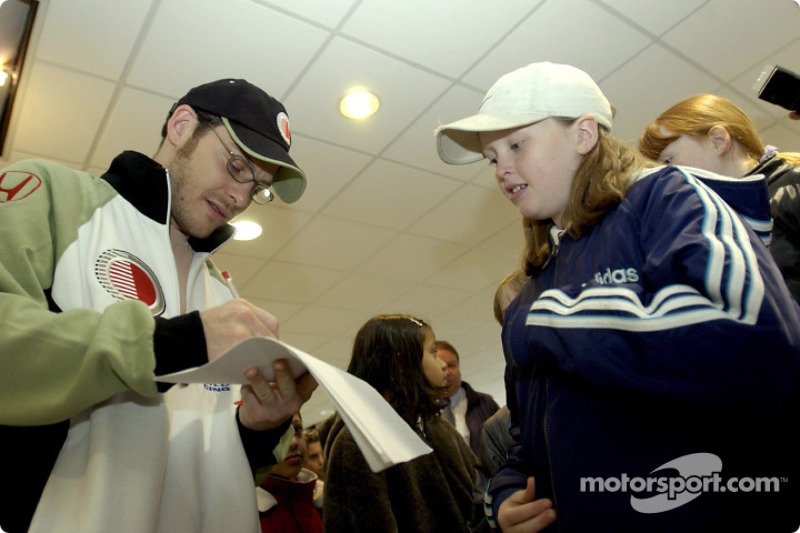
column 229, row 282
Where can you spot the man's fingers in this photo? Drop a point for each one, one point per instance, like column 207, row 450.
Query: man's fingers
column 285, row 380
column 306, row 386
column 260, row 387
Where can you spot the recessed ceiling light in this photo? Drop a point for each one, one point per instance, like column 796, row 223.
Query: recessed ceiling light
column 359, row 105
column 246, row 230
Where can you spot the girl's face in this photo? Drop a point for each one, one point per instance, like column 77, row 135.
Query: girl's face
column 432, row 366
column 534, row 166
column 690, row 150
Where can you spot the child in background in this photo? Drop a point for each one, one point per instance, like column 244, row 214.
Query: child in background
column 714, row 134
column 655, row 337
column 396, row 354
column 498, row 435
column 290, row 499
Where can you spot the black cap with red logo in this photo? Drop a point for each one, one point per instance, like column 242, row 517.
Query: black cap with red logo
column 258, row 123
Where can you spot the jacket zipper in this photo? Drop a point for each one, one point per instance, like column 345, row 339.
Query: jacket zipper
column 547, row 447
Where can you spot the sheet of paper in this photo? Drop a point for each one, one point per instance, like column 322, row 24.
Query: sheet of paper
column 382, row 436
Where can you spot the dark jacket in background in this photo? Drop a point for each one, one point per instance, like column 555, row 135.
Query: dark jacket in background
column 432, row 493
column 480, row 407
column 783, row 180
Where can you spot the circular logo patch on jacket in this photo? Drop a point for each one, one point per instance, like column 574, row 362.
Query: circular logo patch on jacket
column 126, row 277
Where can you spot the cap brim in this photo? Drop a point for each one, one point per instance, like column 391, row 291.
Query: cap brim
column 458, row 143
column 289, row 181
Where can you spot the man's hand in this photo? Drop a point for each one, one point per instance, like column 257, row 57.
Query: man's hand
column 267, row 405
column 234, row 321
column 794, row 115
column 523, row 513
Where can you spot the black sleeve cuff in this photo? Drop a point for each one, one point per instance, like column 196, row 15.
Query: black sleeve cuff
column 258, row 445
column 179, row 343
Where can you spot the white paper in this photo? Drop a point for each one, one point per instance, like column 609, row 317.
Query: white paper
column 383, row 437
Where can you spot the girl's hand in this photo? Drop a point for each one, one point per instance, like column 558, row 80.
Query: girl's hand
column 523, row 513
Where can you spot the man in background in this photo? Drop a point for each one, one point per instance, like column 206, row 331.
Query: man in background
column 467, row 409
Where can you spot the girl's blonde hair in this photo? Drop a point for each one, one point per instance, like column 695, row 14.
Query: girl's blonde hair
column 604, row 176
column 696, row 115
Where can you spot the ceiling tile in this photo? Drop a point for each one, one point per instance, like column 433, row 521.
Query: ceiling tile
column 197, row 41
column 321, row 320
column 283, row 311
column 134, row 123
column 331, row 243
column 60, row 113
column 728, row 21
column 416, row 145
column 363, row 293
column 308, row 343
column 286, row 282
column 72, row 36
column 480, row 338
column 404, row 92
column 338, row 351
column 412, row 258
column 509, row 240
column 390, row 195
column 425, row 300
column 240, row 267
column 328, row 169
column 785, row 136
column 656, row 17
column 327, row 12
column 675, row 78
column 468, row 216
column 540, row 38
column 279, row 224
column 455, row 30
column 475, row 270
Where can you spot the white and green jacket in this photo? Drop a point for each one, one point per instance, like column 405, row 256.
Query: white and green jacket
column 90, row 313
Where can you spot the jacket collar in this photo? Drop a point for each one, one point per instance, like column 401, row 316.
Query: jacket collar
column 143, row 182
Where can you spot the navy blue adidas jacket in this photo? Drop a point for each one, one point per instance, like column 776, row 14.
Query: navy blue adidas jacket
column 661, row 348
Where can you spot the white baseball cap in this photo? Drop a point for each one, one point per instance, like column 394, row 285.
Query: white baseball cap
column 519, row 98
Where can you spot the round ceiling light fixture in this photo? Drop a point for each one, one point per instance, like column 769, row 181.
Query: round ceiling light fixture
column 359, row 104
column 246, row 230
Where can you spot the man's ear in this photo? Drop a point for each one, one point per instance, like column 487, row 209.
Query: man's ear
column 720, row 139
column 588, row 134
column 181, row 124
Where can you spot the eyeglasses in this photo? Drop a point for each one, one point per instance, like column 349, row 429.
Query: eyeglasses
column 242, row 171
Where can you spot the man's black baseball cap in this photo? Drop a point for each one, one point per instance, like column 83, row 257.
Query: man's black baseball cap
column 258, row 123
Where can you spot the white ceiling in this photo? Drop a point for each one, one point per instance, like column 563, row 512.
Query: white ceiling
column 384, row 226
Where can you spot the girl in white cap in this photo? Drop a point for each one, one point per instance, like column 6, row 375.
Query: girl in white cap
column 653, row 359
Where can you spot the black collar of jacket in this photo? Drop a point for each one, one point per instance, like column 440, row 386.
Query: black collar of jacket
column 774, row 168
column 143, row 182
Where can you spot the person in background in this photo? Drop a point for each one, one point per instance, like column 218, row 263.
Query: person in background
column 507, row 290
column 655, row 327
column 466, row 408
column 497, row 435
column 314, row 460
column 290, row 499
column 712, row 133
column 106, row 284
column 396, row 354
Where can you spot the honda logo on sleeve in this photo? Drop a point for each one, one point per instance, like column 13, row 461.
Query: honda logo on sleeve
column 16, row 185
